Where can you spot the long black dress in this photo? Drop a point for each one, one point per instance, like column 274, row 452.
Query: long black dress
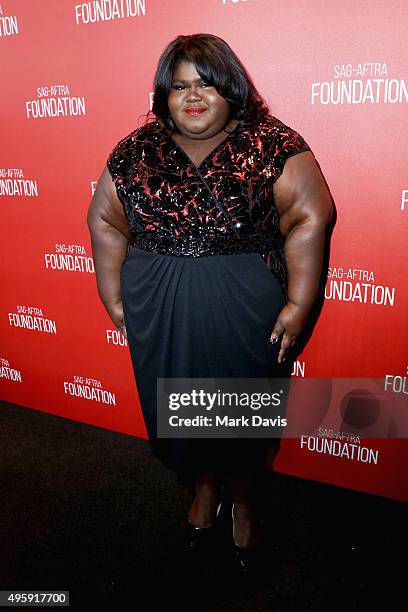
column 204, row 276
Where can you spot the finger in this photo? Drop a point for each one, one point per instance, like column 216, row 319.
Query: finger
column 285, row 351
column 122, row 330
column 285, row 345
column 276, row 332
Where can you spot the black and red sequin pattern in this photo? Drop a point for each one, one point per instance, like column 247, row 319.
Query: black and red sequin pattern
column 163, row 192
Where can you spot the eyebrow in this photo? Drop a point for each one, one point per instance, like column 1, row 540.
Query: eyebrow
column 186, row 81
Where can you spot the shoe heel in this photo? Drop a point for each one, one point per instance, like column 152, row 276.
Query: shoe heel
column 233, row 526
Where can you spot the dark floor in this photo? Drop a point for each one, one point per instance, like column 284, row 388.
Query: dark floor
column 92, row 512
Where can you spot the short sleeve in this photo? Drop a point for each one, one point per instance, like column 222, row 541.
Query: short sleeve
column 286, row 143
column 119, row 164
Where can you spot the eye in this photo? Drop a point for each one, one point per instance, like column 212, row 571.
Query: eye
column 203, row 84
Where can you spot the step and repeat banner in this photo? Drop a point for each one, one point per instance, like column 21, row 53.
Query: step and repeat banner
column 77, row 77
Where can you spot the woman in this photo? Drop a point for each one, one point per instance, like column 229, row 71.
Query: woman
column 208, row 228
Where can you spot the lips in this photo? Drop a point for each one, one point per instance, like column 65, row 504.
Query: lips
column 194, row 110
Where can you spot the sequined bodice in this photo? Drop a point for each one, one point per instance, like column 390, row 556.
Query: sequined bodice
column 164, row 193
column 161, row 190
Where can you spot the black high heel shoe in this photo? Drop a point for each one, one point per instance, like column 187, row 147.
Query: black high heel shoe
column 201, row 537
column 246, row 559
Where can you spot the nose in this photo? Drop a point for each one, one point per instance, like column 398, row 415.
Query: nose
column 193, row 93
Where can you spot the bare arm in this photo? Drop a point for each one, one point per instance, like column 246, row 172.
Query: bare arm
column 110, row 233
column 305, row 208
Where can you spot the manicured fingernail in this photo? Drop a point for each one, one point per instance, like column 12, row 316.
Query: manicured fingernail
column 273, row 339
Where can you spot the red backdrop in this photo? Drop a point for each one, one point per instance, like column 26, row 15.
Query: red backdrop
column 75, row 79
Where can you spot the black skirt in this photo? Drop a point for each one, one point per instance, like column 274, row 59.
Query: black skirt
column 201, row 317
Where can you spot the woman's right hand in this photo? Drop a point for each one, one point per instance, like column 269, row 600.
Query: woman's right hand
column 115, row 312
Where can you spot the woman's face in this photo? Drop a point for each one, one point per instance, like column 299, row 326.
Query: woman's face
column 189, row 90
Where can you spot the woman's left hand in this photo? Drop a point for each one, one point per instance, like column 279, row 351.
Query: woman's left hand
column 290, row 322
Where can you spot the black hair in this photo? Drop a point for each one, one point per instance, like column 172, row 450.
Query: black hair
column 219, row 66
